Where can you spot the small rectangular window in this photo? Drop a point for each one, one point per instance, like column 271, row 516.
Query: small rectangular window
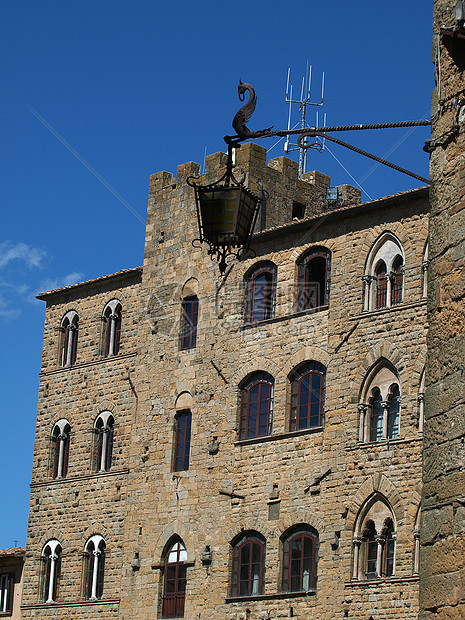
column 182, row 441
column 6, row 594
column 190, row 313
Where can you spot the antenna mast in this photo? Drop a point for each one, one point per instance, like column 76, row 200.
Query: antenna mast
column 303, row 102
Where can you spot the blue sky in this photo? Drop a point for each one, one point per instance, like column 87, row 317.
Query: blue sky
column 98, row 95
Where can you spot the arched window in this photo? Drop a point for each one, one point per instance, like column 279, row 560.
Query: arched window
column 260, row 291
column 95, row 567
column 256, row 406
column 182, row 440
column 69, row 338
column 51, row 555
column 60, row 448
column 375, row 540
column 190, row 315
column 380, row 404
column 112, row 328
column 307, row 396
column 384, row 273
column 104, row 436
column 300, row 547
column 314, row 279
column 248, row 565
column 174, row 587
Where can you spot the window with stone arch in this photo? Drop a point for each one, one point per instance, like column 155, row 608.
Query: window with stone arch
column 111, row 319
column 104, row 428
column 256, row 408
column 307, row 399
column 60, row 442
column 260, row 292
column 375, row 540
column 384, row 274
column 174, row 579
column 299, row 564
column 379, row 406
column 248, row 564
column 69, row 329
column 94, row 554
column 51, row 558
column 314, row 279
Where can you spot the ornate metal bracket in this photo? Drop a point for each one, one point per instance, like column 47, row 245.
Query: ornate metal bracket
column 244, row 133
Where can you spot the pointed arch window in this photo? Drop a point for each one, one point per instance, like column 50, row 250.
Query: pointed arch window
column 95, row 567
column 314, row 271
column 112, row 328
column 260, row 292
column 189, row 319
column 51, row 555
column 256, row 415
column 248, row 566
column 307, row 396
column 69, row 338
column 375, row 540
column 384, row 273
column 61, row 433
column 175, row 578
column 380, row 405
column 104, row 436
column 300, row 546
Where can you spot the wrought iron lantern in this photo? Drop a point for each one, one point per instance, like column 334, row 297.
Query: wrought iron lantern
column 226, row 214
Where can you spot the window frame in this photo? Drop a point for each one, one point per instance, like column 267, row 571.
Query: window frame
column 182, row 440
column 112, row 316
column 95, row 555
column 104, row 429
column 248, row 540
column 173, row 603
column 189, row 322
column 60, row 446
column 267, row 310
column 247, row 431
column 6, row 593
column 297, row 378
column 51, row 573
column 69, row 328
column 302, row 532
column 306, row 286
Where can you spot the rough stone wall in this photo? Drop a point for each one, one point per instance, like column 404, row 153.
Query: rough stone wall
column 83, row 503
column 272, row 480
column 443, row 518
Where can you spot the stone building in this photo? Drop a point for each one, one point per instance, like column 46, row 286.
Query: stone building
column 242, row 447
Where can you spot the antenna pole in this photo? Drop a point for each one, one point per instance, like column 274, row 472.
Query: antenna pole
column 303, row 102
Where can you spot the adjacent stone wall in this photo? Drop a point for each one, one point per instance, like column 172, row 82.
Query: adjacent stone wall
column 443, row 526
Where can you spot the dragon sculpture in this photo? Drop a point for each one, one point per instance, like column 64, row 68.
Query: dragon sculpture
column 243, row 115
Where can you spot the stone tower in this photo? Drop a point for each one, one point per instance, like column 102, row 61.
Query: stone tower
column 442, row 589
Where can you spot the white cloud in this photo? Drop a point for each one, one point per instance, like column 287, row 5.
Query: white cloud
column 20, row 251
column 51, row 284
column 7, row 312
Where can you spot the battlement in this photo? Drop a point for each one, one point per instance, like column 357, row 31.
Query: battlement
column 286, row 198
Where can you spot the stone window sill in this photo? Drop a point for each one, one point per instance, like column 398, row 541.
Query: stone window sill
column 285, row 317
column 278, row 436
column 364, row 583
column 266, row 597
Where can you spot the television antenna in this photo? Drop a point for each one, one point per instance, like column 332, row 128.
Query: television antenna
column 303, row 102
